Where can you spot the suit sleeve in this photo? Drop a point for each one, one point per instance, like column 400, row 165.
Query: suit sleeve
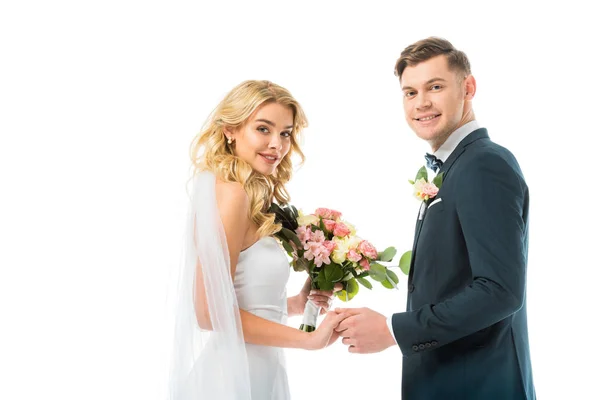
column 491, row 210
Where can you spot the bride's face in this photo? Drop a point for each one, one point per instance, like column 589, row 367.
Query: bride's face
column 265, row 138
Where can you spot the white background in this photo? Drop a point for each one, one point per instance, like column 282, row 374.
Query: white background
column 100, row 100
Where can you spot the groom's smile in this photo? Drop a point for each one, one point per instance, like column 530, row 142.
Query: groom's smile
column 429, row 118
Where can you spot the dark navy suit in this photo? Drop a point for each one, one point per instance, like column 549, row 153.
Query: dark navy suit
column 464, row 334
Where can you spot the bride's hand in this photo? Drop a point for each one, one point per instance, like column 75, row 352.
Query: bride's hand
column 320, row 298
column 325, row 334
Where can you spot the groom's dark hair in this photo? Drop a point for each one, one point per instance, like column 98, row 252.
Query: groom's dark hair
column 426, row 49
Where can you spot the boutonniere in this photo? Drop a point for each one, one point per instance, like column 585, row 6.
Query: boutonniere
column 423, row 189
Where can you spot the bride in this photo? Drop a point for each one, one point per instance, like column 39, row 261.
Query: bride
column 232, row 302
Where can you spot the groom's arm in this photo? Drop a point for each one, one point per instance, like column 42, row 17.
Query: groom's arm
column 490, row 208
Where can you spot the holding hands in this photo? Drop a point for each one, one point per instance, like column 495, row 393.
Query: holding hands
column 364, row 330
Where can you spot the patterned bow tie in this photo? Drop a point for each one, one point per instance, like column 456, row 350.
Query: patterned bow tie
column 433, row 163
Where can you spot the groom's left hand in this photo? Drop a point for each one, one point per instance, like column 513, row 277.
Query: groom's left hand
column 364, row 330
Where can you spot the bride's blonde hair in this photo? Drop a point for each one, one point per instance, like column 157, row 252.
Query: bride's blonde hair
column 210, row 151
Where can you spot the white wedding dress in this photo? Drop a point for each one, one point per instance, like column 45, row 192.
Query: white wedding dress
column 260, row 286
column 217, row 363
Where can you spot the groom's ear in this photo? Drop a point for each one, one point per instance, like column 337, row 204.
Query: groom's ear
column 470, row 87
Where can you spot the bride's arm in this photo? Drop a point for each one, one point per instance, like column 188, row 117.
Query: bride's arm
column 261, row 331
column 234, row 205
column 295, row 305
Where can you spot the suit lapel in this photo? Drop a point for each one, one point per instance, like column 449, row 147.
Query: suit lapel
column 477, row 134
column 414, row 248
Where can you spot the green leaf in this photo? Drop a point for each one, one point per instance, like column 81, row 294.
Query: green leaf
column 323, row 282
column 387, row 255
column 274, row 208
column 392, row 275
column 287, row 247
column 405, row 262
column 377, row 272
column 439, row 178
column 300, row 265
column 292, row 236
column 422, row 174
column 365, row 283
column 294, row 211
column 333, row 273
column 324, row 285
column 280, row 236
column 311, row 268
column 322, row 225
column 349, row 292
column 411, row 182
column 350, row 274
column 284, row 216
column 352, row 288
column 391, row 281
column 342, row 295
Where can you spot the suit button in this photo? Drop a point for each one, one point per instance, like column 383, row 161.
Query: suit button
column 415, row 347
column 427, row 345
column 434, row 343
column 421, row 346
column 411, row 288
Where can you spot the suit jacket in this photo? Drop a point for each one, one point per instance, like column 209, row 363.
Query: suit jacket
column 464, row 334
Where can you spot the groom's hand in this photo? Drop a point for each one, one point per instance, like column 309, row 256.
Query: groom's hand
column 364, row 330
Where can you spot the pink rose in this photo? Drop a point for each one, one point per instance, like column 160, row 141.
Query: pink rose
column 327, row 213
column 368, row 250
column 353, row 256
column 364, row 263
column 341, row 230
column 329, row 224
column 430, row 190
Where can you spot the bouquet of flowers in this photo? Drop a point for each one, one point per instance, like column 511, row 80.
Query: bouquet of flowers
column 327, row 248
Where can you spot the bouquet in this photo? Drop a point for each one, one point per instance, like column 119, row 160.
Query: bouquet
column 328, row 249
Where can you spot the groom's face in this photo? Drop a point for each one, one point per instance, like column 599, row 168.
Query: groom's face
column 434, row 100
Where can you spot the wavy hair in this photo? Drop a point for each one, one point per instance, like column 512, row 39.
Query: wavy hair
column 426, row 49
column 210, row 152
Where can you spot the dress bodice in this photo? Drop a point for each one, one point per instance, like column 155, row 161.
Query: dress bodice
column 260, row 280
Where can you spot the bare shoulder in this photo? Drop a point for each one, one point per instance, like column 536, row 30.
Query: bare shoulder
column 234, row 207
column 231, row 192
column 232, row 199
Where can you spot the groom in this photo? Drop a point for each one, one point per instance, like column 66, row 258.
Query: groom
column 464, row 334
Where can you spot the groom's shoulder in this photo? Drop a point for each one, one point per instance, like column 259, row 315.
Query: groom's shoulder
column 486, row 155
column 487, row 151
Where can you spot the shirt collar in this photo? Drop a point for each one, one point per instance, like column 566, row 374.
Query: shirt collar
column 454, row 139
